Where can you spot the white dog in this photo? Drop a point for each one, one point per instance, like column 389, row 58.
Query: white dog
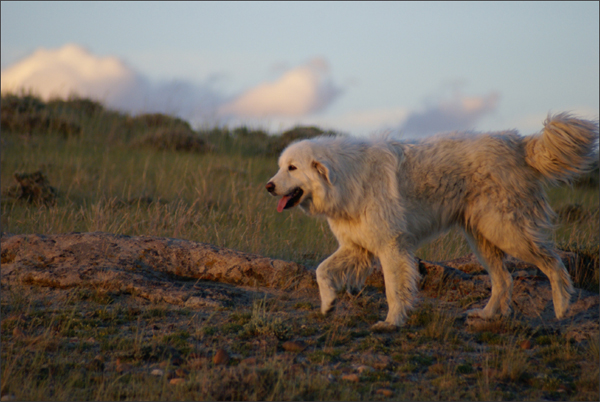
column 383, row 198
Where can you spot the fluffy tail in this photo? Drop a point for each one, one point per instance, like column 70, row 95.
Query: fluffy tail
column 565, row 148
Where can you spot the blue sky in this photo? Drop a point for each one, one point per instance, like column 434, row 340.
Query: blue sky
column 373, row 66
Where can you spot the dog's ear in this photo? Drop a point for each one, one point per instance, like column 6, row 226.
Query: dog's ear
column 324, row 171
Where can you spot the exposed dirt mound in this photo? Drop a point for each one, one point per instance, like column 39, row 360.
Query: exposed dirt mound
column 157, row 269
column 181, row 272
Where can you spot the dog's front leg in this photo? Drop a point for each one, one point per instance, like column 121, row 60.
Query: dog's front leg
column 333, row 273
column 401, row 285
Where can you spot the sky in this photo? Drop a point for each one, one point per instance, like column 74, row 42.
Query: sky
column 413, row 68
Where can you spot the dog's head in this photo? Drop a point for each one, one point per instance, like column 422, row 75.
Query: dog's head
column 303, row 177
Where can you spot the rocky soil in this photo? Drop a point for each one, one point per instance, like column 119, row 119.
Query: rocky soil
column 187, row 273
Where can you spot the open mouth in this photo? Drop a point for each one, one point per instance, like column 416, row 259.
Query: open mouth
column 290, row 200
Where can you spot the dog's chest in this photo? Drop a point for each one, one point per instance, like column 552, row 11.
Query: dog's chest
column 358, row 232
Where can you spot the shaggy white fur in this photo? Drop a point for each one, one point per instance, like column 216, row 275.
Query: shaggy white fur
column 383, row 198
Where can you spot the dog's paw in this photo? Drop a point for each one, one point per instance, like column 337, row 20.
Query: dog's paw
column 478, row 313
column 383, row 327
column 328, row 309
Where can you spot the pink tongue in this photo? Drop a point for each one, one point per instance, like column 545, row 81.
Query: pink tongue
column 282, row 202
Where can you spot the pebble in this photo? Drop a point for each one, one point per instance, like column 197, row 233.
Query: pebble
column 250, row 361
column 177, row 381
column 221, row 357
column 122, row 367
column 385, row 392
column 362, row 369
column 157, row 372
column 351, row 378
column 294, row 346
column 526, row 344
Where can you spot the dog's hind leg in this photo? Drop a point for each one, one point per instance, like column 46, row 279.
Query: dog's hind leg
column 349, row 266
column 545, row 258
column 401, row 285
column 492, row 258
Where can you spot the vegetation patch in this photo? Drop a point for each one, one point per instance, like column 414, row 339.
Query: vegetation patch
column 126, row 175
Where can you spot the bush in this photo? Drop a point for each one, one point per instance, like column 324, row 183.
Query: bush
column 28, row 114
column 76, row 105
column 158, row 120
column 174, row 139
column 278, row 144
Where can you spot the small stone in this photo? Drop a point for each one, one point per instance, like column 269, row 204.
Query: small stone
column 157, row 372
column 385, row 392
column 122, row 367
column 177, row 381
column 221, row 357
column 294, row 346
column 351, row 378
column 362, row 369
column 249, row 361
column 526, row 344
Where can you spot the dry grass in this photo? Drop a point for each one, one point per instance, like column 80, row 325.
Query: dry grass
column 82, row 344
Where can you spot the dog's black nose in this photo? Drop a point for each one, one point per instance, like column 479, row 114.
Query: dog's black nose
column 270, row 187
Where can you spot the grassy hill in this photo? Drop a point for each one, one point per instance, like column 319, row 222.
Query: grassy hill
column 76, row 166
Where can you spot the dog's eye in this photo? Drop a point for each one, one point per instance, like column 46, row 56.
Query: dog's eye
column 291, row 167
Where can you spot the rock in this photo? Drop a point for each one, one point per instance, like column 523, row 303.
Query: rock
column 122, row 367
column 177, row 381
column 385, row 392
column 221, row 357
column 351, row 378
column 250, row 361
column 294, row 346
column 364, row 369
column 377, row 361
column 526, row 344
column 17, row 333
column 157, row 372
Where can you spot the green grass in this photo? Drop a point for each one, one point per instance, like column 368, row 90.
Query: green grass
column 111, row 174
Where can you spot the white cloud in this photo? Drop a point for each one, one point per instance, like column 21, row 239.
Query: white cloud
column 72, row 70
column 301, row 91
column 58, row 73
column 296, row 97
column 458, row 113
